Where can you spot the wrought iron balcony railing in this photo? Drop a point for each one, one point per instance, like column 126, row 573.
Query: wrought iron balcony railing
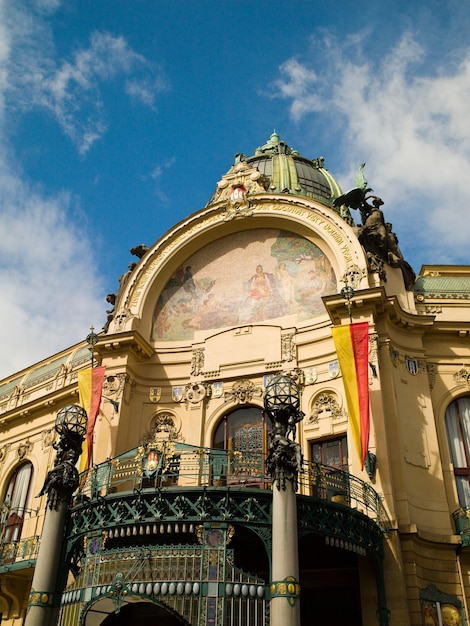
column 172, row 465
column 462, row 524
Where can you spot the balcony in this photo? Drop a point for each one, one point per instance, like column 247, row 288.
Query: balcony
column 461, row 519
column 169, row 488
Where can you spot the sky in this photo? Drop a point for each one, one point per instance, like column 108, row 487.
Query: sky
column 118, row 117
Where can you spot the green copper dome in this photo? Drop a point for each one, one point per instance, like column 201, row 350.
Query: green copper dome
column 291, row 173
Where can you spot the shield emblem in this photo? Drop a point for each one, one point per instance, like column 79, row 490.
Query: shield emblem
column 411, row 365
column 333, row 369
column 311, row 375
column 394, row 356
column 217, row 390
column 267, row 378
column 177, row 394
column 152, row 462
column 155, row 393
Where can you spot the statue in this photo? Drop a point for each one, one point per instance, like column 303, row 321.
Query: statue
column 375, row 235
column 111, row 299
column 284, row 461
column 284, row 457
column 63, row 479
column 139, row 250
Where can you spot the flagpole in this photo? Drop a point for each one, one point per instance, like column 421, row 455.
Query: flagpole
column 92, row 340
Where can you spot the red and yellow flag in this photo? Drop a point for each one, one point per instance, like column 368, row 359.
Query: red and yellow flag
column 90, row 387
column 352, row 348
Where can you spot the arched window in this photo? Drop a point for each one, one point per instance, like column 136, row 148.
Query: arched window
column 244, row 431
column 458, row 433
column 15, row 503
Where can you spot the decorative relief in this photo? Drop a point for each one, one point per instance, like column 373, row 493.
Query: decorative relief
column 462, row 377
column 433, row 309
column 48, row 438
column 236, row 186
column 195, row 392
column 288, row 347
column 114, row 385
column 373, row 346
column 24, row 449
column 3, row 452
column 326, row 405
column 121, row 318
column 163, row 427
column 432, row 372
column 15, row 397
column 353, row 276
column 311, row 375
column 197, row 361
column 243, row 391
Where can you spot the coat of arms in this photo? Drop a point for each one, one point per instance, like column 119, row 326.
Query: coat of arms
column 155, row 393
column 311, row 375
column 333, row 369
column 177, row 394
column 217, row 389
column 411, row 365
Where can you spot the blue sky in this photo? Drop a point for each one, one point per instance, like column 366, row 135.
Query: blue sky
column 117, row 118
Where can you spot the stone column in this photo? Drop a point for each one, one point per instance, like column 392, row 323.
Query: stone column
column 61, row 482
column 43, row 604
column 284, row 461
column 285, row 588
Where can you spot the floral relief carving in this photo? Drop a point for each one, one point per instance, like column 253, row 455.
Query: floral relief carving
column 163, row 427
column 326, row 405
column 243, row 391
column 24, row 449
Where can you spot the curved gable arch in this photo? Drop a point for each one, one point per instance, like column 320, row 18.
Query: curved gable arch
column 321, row 237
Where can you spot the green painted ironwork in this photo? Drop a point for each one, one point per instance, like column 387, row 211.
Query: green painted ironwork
column 462, row 525
column 18, row 555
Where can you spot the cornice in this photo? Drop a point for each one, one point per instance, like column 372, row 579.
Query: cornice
column 129, row 341
column 377, row 303
column 44, row 404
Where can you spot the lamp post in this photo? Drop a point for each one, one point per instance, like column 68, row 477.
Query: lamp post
column 282, row 403
column 61, row 481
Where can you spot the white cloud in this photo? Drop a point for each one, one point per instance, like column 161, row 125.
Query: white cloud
column 50, row 289
column 409, row 121
column 71, row 90
column 156, row 175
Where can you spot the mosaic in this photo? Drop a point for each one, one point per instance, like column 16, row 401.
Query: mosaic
column 244, row 278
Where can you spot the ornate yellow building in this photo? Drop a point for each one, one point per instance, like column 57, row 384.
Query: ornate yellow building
column 172, row 524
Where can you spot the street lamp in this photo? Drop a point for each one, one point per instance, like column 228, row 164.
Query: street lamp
column 284, row 461
column 61, row 482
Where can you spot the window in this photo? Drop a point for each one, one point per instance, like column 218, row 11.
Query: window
column 332, row 481
column 458, row 434
column 244, row 432
column 333, row 452
column 16, row 499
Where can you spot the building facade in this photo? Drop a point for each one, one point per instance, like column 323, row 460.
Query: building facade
column 172, row 524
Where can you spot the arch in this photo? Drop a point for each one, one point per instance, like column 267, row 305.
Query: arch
column 244, row 431
column 326, row 574
column 15, row 502
column 457, row 425
column 144, row 612
column 326, row 402
column 303, row 217
column 281, row 275
column 163, row 424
